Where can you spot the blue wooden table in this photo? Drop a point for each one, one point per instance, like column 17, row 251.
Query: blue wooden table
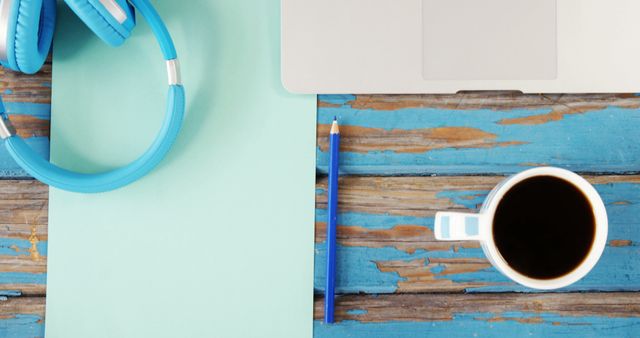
column 404, row 158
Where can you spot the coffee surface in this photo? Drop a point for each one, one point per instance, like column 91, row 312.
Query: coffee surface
column 544, row 227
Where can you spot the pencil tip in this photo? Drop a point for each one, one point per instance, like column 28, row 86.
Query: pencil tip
column 334, row 127
column 335, row 118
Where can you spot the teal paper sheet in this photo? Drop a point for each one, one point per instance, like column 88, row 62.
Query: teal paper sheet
column 218, row 241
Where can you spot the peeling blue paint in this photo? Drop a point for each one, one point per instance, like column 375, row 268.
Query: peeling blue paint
column 8, row 247
column 375, row 221
column 39, row 110
column 469, row 199
column 567, row 143
column 10, row 293
column 438, row 269
column 22, row 325
column 23, row 278
column 476, row 325
column 357, row 312
column 618, row 269
column 356, row 270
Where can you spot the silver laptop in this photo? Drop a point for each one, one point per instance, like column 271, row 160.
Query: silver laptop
column 446, row 46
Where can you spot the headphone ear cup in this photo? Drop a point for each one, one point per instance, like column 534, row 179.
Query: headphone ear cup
column 30, row 33
column 113, row 30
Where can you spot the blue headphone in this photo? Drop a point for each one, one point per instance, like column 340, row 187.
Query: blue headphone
column 26, row 32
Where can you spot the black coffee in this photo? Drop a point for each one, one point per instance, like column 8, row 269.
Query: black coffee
column 544, row 227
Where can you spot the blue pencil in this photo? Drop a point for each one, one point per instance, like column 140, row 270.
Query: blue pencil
column 332, row 202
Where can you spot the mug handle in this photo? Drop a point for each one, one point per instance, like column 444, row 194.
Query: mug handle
column 457, row 226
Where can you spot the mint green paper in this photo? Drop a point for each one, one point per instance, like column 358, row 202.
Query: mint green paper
column 218, row 241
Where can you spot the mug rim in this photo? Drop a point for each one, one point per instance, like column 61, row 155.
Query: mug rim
column 600, row 237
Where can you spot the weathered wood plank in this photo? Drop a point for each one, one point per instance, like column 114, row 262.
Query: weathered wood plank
column 19, row 87
column 443, row 307
column 22, row 317
column 23, row 236
column 481, row 133
column 386, row 241
column 549, row 315
column 483, row 315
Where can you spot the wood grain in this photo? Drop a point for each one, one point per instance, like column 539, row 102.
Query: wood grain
column 423, row 196
column 22, row 317
column 481, row 133
column 23, row 236
column 386, row 240
column 560, row 104
column 19, row 87
column 443, row 307
column 485, row 315
column 23, row 306
column 580, row 314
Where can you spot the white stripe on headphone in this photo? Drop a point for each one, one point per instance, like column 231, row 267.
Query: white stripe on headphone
column 5, row 9
column 173, row 72
column 115, row 10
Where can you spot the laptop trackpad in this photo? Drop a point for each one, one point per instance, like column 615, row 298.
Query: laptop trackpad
column 490, row 39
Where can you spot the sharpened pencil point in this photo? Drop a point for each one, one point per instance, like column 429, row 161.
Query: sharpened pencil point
column 334, row 128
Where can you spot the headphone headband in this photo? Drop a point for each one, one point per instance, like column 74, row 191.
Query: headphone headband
column 55, row 176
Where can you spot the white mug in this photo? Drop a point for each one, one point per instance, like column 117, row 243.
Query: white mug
column 451, row 226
